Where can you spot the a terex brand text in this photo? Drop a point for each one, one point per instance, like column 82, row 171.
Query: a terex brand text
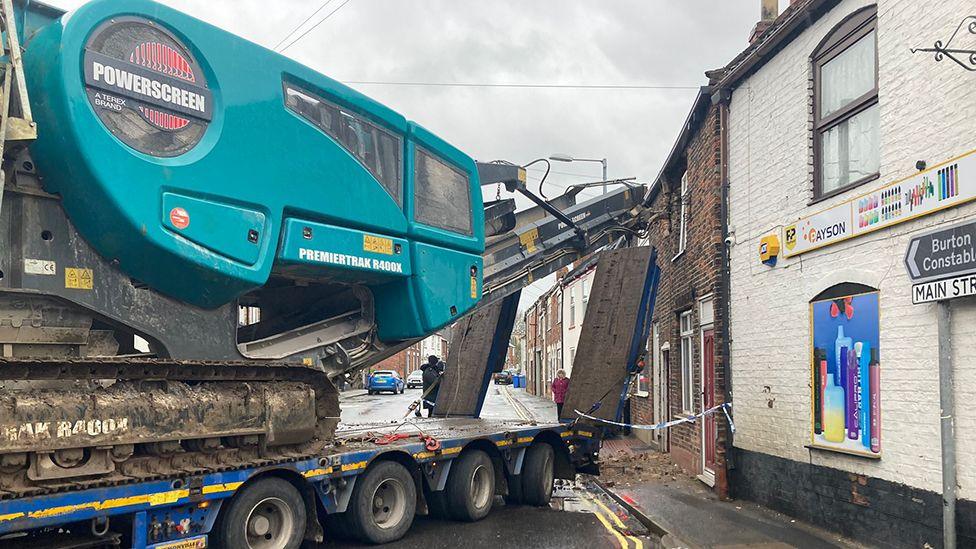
column 149, row 87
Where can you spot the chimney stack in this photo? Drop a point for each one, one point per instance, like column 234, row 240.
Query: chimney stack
column 770, row 10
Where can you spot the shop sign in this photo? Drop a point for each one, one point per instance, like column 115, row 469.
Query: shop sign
column 944, row 186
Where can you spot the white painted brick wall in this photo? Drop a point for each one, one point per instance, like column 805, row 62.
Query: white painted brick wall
column 928, row 112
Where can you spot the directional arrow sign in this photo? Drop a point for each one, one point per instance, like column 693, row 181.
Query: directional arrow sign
column 945, row 253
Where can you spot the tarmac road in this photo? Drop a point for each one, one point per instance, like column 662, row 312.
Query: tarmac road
column 580, row 515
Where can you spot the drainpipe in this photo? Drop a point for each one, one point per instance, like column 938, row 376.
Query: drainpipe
column 722, row 98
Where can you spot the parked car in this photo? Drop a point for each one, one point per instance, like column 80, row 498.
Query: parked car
column 384, row 380
column 503, row 377
column 415, row 380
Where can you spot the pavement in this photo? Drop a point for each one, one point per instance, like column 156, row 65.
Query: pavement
column 681, row 511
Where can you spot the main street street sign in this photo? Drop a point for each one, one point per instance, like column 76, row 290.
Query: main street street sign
column 945, row 253
column 940, row 290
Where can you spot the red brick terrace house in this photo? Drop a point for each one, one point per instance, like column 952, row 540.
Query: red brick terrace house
column 686, row 370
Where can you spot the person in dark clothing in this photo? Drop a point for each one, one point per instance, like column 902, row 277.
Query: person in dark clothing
column 433, row 371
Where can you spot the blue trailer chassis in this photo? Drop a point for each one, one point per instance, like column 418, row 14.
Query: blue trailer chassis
column 179, row 511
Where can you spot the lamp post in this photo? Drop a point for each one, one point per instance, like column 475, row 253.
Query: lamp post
column 569, row 158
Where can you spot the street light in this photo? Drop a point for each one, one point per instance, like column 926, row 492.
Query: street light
column 570, row 158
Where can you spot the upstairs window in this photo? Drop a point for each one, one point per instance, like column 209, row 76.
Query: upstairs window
column 572, row 307
column 683, row 220
column 846, row 123
column 378, row 150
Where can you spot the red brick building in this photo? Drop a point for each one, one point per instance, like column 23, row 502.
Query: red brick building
column 544, row 339
column 404, row 362
column 686, row 370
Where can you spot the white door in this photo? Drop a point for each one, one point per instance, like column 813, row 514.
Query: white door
column 707, row 364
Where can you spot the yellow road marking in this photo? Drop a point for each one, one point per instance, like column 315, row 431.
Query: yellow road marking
column 616, row 519
column 612, row 530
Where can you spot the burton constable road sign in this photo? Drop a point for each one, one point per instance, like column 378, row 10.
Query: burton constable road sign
column 945, row 253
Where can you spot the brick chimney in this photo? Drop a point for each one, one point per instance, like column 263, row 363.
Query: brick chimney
column 770, row 10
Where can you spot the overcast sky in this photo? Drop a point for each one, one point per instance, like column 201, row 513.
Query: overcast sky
column 628, row 42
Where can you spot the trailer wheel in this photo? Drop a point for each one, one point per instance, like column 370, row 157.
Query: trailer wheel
column 470, row 489
column 383, row 503
column 269, row 514
column 537, row 475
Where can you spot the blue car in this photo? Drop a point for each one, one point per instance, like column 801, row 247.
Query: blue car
column 384, row 380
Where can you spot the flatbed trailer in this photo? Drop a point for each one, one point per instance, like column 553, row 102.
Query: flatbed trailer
column 200, row 509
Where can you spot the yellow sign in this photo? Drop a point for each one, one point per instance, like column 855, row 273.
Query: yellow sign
column 377, row 244
column 78, row 279
column 529, row 238
column 790, row 233
column 474, row 287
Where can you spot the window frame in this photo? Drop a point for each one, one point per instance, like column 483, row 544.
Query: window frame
column 572, row 307
column 420, row 150
column 847, row 33
column 399, row 139
column 686, row 336
column 684, row 198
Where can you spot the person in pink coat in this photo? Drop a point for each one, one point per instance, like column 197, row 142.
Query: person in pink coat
column 560, row 386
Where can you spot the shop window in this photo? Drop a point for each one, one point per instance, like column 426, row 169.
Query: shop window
column 683, row 220
column 846, row 124
column 845, row 370
column 687, row 359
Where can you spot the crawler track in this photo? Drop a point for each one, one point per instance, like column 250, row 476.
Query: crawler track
column 142, row 465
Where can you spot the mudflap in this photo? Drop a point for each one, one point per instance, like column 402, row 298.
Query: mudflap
column 609, row 339
column 478, row 348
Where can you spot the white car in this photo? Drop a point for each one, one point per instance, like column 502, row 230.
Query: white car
column 415, row 380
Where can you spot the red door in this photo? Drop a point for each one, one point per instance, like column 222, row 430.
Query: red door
column 709, row 427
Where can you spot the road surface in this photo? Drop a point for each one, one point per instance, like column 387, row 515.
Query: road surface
column 579, row 516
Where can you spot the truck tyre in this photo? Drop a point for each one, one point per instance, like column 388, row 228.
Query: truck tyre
column 537, row 475
column 383, row 503
column 470, row 489
column 268, row 514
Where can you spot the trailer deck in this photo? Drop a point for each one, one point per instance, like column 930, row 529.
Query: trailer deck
column 180, row 511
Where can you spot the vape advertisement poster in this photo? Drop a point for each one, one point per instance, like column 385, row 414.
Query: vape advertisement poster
column 846, row 375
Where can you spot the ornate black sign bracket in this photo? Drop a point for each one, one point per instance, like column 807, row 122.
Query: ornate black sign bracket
column 964, row 58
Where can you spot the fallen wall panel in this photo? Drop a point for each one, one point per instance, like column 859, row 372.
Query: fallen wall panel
column 607, row 337
column 479, row 344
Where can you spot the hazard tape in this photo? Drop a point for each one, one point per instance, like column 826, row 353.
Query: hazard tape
column 689, row 419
